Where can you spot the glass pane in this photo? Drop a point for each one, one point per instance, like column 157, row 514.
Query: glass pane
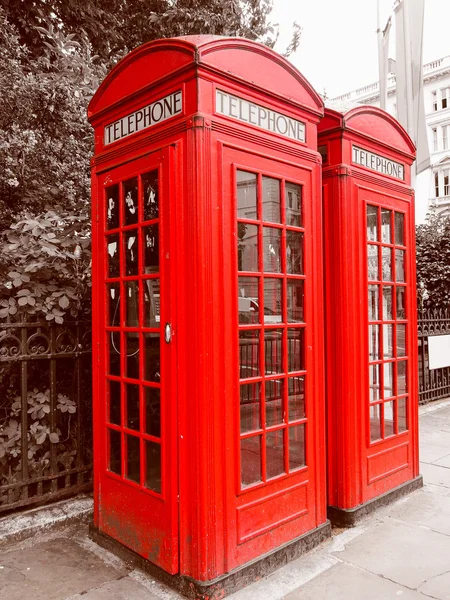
column 374, row 342
column 114, row 352
column 272, row 249
column 152, row 302
column 130, row 198
column 251, row 460
column 372, row 262
column 246, row 195
column 399, row 229
column 152, row 411
column 112, row 207
column 113, row 295
column 401, row 377
column 387, row 303
column 115, row 451
column 153, row 466
column 133, row 458
column 402, row 414
column 114, row 402
column 247, row 247
column 248, row 300
column 401, row 340
column 386, row 225
column 273, row 351
column 296, row 398
column 132, row 392
column 388, row 370
column 132, row 304
column 375, row 423
column 400, row 265
column 389, row 419
column 272, row 300
column 293, row 201
column 295, row 301
column 271, row 204
column 294, row 252
column 150, row 192
column 386, row 258
column 250, row 395
column 274, row 402
column 372, row 223
column 388, row 341
column 297, row 457
column 151, row 250
column 130, row 243
column 374, row 382
column 275, row 453
column 152, row 369
column 295, row 350
column 401, row 303
column 373, row 303
column 249, row 354
column 112, row 243
column 132, row 358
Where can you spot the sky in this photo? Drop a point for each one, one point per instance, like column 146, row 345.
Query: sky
column 338, row 48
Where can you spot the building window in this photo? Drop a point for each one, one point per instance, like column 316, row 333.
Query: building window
column 446, row 183
column 435, row 139
column 444, row 137
column 445, row 97
column 436, row 184
column 434, row 100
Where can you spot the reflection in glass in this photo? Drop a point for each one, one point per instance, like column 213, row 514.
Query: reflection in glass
column 114, row 402
column 113, row 295
column 402, row 414
column 386, row 225
column 372, row 262
column 372, row 223
column 112, row 207
column 388, row 341
column 153, row 466
column 399, row 229
column 271, row 203
column 296, row 398
column 387, row 303
column 401, row 303
column 294, row 252
column 374, row 342
column 133, row 458
column 272, row 300
column 375, row 423
column 113, row 248
column 130, row 198
column 272, row 249
column 295, row 301
column 251, row 460
column 132, row 392
column 389, row 419
column 400, row 265
column 246, row 195
column 152, row 411
column 273, row 351
column 401, row 340
column 130, row 243
column 401, row 377
column 132, row 303
column 152, row 303
column 373, row 303
column 293, row 200
column 247, row 247
column 249, row 354
column 297, row 457
column 388, row 371
column 114, row 352
column 274, row 402
column 275, row 453
column 151, row 250
column 374, row 382
column 152, row 369
column 386, row 265
column 248, row 300
column 150, row 192
column 250, row 395
column 115, row 451
column 295, row 350
column 132, row 357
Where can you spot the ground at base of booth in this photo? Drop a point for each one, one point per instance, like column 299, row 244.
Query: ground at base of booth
column 401, row 551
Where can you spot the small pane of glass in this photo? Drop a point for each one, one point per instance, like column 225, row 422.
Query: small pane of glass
column 132, row 304
column 372, row 262
column 296, row 398
column 388, row 341
column 401, row 377
column 293, row 201
column 295, row 301
column 112, row 207
column 115, row 451
column 296, row 350
column 130, row 243
column 386, row 258
column 274, row 402
column 153, row 466
column 271, row 203
column 248, row 300
column 250, row 395
column 275, row 453
column 246, row 195
column 374, row 342
column 247, row 247
column 272, row 249
column 113, row 295
column 152, row 303
column 132, row 357
column 372, row 223
column 273, row 351
column 400, row 265
column 132, row 392
column 114, row 352
column 130, row 198
column 375, row 423
column 152, row 411
column 399, row 229
column 386, row 236
column 150, row 192
column 389, row 428
column 388, row 371
column 402, row 404
column 115, row 402
column 151, row 250
column 113, row 248
column 401, row 340
column 133, row 458
column 152, row 368
column 373, row 303
column 249, row 354
column 272, row 300
column 297, row 457
column 251, row 460
column 374, row 382
column 401, row 303
column 294, row 252
column 387, row 303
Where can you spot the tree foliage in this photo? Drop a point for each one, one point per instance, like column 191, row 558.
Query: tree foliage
column 433, row 263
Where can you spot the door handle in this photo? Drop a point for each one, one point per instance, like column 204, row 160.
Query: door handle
column 168, row 333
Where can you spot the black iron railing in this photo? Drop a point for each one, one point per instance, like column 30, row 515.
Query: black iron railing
column 433, row 383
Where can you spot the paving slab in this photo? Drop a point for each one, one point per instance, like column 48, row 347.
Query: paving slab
column 435, row 474
column 121, row 589
column 437, row 587
column 444, row 461
column 429, row 453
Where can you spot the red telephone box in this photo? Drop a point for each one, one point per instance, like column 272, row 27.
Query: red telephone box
column 371, row 333
column 207, row 290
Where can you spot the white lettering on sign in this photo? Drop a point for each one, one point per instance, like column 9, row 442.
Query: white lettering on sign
column 248, row 112
column 378, row 163
column 150, row 115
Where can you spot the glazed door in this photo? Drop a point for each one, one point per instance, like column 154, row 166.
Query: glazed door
column 138, row 470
